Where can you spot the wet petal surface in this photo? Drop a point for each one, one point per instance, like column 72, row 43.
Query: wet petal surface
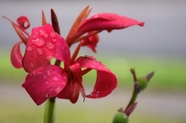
column 46, row 81
column 106, row 21
column 43, row 45
column 106, row 81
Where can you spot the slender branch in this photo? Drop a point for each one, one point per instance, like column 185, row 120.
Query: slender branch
column 135, row 89
column 132, row 70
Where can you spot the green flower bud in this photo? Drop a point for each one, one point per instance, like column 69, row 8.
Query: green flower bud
column 120, row 117
column 143, row 81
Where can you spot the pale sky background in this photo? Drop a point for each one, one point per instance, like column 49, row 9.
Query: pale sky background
column 164, row 33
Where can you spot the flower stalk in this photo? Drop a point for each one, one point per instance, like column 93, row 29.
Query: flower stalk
column 135, row 90
column 49, row 114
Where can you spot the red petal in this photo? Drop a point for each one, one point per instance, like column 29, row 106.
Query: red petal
column 16, row 56
column 91, row 42
column 106, row 21
column 43, row 45
column 106, row 81
column 46, row 81
column 74, row 85
column 71, row 91
column 23, row 22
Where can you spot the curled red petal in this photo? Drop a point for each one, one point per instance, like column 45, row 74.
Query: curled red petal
column 106, row 81
column 106, row 21
column 44, row 82
column 91, row 42
column 74, row 85
column 43, row 45
column 16, row 56
column 71, row 91
column 23, row 22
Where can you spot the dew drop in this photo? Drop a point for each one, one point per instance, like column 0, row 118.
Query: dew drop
column 52, row 34
column 31, row 64
column 40, row 52
column 47, row 82
column 63, row 83
column 29, row 48
column 50, row 46
column 34, row 36
column 65, row 78
column 54, row 39
column 43, row 33
column 38, row 42
column 55, row 79
column 57, row 90
column 39, row 73
column 48, row 72
column 49, row 57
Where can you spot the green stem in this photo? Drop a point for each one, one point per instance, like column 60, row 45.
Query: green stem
column 133, row 98
column 49, row 110
column 135, row 90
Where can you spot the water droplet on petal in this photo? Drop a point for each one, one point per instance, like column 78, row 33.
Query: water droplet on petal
column 48, row 72
column 55, row 79
column 49, row 57
column 57, row 90
column 43, row 33
column 40, row 52
column 31, row 64
column 50, row 46
column 63, row 83
column 52, row 34
column 64, row 77
column 54, row 40
column 38, row 42
column 39, row 73
column 29, row 48
column 34, row 36
column 47, row 82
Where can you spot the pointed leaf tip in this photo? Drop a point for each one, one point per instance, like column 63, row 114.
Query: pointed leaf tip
column 130, row 109
column 43, row 18
column 150, row 75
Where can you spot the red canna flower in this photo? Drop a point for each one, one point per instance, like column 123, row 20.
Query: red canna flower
column 46, row 80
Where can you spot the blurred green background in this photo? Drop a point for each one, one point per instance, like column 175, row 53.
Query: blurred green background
column 159, row 46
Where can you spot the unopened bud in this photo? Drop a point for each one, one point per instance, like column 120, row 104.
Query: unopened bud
column 120, row 117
